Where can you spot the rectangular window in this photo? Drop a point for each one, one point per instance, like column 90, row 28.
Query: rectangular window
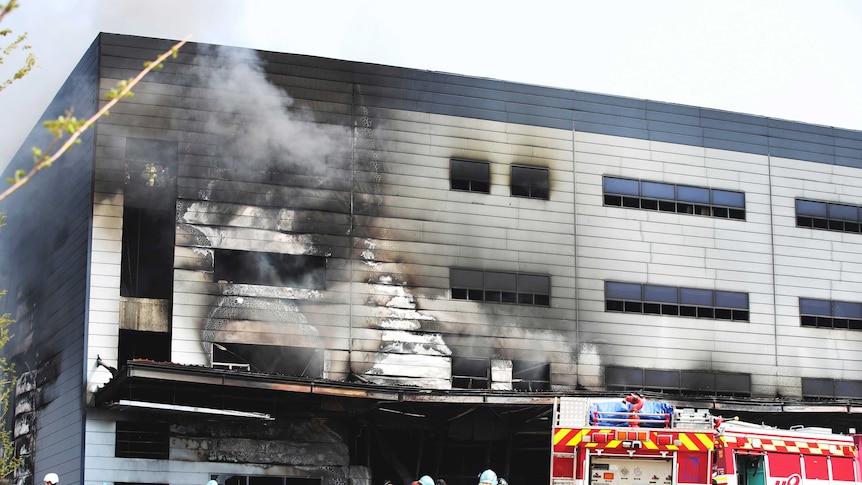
column 530, row 182
column 665, row 197
column 705, row 383
column 270, row 269
column 828, row 216
column 149, row 218
column 142, row 440
column 470, row 373
column 531, row 376
column 470, row 175
column 134, row 344
column 672, row 300
column 830, row 314
column 500, row 287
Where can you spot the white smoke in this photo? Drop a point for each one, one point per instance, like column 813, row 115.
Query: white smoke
column 258, row 122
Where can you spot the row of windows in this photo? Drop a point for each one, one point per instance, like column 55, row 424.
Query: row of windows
column 304, row 271
column 830, row 314
column 678, row 301
column 475, row 176
column 817, row 388
column 642, row 194
column 828, row 216
column 500, row 287
column 533, row 289
column 684, row 382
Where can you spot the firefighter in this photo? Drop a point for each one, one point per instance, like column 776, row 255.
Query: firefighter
column 488, row 477
column 52, row 479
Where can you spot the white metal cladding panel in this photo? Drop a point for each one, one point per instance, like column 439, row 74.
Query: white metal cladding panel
column 640, row 246
column 105, row 261
column 815, row 263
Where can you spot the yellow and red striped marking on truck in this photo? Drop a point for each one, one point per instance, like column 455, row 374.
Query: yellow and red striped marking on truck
column 610, row 438
column 789, row 445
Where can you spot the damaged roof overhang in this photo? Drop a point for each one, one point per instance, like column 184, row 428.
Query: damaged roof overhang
column 163, row 386
column 155, row 387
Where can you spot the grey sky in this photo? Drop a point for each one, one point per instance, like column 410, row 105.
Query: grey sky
column 788, row 59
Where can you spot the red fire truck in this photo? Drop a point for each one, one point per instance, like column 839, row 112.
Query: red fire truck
column 614, row 442
column 620, row 442
column 750, row 454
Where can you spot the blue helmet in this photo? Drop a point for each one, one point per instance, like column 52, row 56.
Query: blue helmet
column 488, row 476
column 426, row 480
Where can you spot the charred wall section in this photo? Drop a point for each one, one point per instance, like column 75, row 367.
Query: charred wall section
column 44, row 249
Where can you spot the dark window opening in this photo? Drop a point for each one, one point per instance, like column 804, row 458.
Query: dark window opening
column 677, row 301
column 531, row 376
column 530, row 182
column 148, row 253
column 142, row 440
column 664, row 197
column 500, row 287
column 470, row 175
column 269, row 359
column 468, row 373
column 135, row 344
column 270, row 269
column 149, row 218
column 682, row 382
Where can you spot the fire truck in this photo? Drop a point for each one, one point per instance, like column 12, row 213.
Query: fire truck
column 639, row 442
column 632, row 441
column 751, row 454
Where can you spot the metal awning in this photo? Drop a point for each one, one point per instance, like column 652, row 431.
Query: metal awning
column 164, row 386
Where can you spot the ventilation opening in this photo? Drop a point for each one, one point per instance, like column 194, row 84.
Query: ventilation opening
column 142, row 440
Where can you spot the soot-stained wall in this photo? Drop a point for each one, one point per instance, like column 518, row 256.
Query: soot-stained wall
column 44, row 248
column 287, row 156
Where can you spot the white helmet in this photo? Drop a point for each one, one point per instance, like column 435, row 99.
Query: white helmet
column 53, row 478
column 212, row 482
column 488, row 476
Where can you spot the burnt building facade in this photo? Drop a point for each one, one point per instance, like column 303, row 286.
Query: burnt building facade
column 268, row 268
